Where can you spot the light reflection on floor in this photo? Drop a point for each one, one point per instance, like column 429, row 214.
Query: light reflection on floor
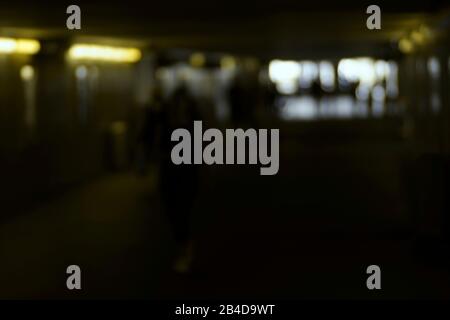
column 307, row 107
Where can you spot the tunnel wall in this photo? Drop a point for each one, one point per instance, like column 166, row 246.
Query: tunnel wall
column 68, row 140
column 424, row 85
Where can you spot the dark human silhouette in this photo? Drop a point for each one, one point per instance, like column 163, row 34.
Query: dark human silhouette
column 178, row 183
column 243, row 96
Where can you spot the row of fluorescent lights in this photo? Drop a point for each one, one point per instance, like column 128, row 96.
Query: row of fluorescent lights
column 76, row 51
column 97, row 52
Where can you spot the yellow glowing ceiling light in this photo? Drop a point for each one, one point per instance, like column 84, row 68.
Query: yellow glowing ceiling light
column 418, row 37
column 405, row 45
column 19, row 46
column 227, row 62
column 197, row 60
column 104, row 53
column 426, row 31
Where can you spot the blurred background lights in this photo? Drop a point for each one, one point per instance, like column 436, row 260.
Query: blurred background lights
column 327, row 76
column 19, row 46
column 382, row 69
column 104, row 53
column 434, row 67
column 360, row 70
column 81, row 72
column 362, row 93
column 378, row 93
column 27, row 73
column 310, row 73
column 282, row 70
column 197, row 60
column 227, row 62
column 285, row 75
column 405, row 45
column 417, row 37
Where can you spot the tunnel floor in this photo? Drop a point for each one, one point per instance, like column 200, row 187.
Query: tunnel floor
column 309, row 232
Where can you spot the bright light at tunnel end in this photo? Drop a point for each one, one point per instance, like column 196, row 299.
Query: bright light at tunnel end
column 104, row 53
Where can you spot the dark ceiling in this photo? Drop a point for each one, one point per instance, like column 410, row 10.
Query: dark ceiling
column 265, row 28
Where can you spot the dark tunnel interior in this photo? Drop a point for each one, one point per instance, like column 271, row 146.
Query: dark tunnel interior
column 86, row 150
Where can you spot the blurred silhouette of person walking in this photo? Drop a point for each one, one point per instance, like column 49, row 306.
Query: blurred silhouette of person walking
column 243, row 96
column 177, row 183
